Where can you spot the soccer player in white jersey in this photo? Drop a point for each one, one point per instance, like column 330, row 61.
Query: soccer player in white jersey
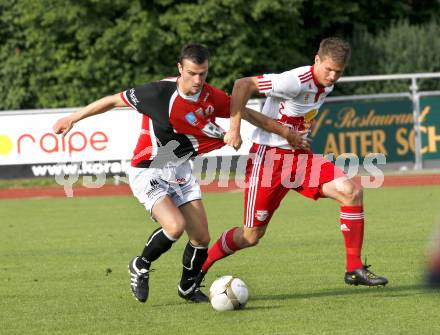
column 293, row 100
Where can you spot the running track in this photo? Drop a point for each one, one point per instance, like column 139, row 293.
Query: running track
column 111, row 190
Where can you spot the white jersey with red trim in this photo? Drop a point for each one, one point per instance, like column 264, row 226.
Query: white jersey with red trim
column 293, row 99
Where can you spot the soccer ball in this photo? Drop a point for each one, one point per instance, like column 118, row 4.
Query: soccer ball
column 228, row 293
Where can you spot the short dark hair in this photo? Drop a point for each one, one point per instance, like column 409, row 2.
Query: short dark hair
column 335, row 48
column 194, row 52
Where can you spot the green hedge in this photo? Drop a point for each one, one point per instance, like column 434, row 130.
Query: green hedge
column 59, row 53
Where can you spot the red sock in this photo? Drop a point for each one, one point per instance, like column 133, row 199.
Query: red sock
column 224, row 247
column 352, row 227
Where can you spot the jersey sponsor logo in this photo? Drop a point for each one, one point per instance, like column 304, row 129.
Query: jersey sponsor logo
column 310, row 114
column 292, row 122
column 204, row 113
column 261, row 215
column 133, row 97
column 191, row 118
column 309, row 118
column 211, row 130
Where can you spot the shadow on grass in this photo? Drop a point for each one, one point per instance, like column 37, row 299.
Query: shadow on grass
column 392, row 291
column 383, row 292
column 259, row 307
column 189, row 305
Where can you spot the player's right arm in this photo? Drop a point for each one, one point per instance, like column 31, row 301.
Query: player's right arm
column 65, row 124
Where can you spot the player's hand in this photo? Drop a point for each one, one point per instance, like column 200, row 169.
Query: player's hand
column 298, row 139
column 63, row 126
column 233, row 139
column 305, row 142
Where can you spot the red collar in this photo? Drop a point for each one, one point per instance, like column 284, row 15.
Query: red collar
column 316, row 80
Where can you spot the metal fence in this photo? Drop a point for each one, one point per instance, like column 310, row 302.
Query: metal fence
column 413, row 94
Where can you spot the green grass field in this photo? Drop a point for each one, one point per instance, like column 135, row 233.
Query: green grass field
column 64, row 262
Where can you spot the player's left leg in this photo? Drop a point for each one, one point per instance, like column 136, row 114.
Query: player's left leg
column 350, row 195
column 187, row 197
column 195, row 252
column 152, row 191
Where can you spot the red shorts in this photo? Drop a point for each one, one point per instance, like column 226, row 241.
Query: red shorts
column 272, row 172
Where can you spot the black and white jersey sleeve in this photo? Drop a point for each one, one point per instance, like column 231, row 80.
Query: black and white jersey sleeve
column 152, row 99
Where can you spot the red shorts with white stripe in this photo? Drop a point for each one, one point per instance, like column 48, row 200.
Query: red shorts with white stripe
column 272, row 172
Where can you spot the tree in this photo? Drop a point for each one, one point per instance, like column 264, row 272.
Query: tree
column 402, row 48
column 68, row 53
column 241, row 35
column 71, row 52
column 323, row 18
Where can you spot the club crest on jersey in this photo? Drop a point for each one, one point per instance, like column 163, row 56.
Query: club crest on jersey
column 191, row 118
column 209, row 110
column 180, row 181
column 199, row 112
column 261, row 215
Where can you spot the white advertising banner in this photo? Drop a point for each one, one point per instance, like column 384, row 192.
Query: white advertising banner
column 27, row 137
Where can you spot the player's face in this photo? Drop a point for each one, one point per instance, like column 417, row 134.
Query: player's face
column 326, row 71
column 192, row 76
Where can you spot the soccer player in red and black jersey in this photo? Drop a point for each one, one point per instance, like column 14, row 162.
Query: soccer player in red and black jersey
column 178, row 123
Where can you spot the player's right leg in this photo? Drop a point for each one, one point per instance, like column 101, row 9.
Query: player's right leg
column 230, row 241
column 152, row 192
column 172, row 226
column 263, row 195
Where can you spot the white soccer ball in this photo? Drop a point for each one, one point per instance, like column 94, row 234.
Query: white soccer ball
column 228, row 293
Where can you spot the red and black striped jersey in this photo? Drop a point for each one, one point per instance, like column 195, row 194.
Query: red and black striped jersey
column 171, row 121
